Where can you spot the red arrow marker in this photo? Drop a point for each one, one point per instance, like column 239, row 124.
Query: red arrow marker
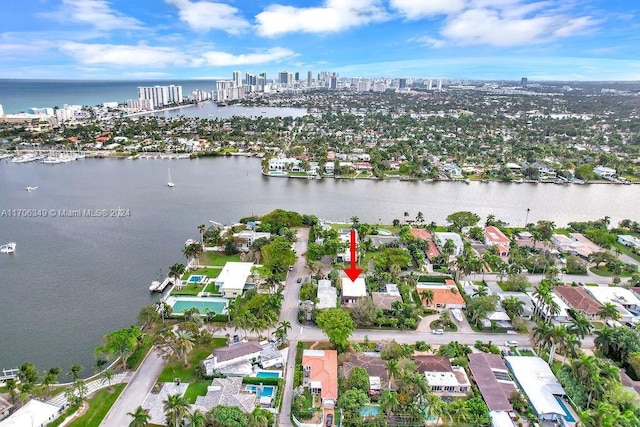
column 353, row 272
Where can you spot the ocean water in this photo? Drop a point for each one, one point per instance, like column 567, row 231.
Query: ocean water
column 19, row 95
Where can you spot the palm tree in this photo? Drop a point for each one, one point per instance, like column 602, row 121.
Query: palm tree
column 176, row 408
column 427, row 296
column 580, row 325
column 176, row 271
column 258, row 418
column 282, row 329
column 481, row 291
column 198, row 419
column 184, row 343
column 513, row 306
column 75, row 370
column 354, row 222
column 107, row 376
column 609, row 311
column 541, row 335
column 393, row 368
column 140, row 417
column 202, row 228
column 388, row 402
column 420, row 217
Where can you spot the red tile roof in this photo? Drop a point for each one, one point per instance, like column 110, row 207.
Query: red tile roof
column 578, row 298
column 323, row 368
column 494, row 235
column 422, row 234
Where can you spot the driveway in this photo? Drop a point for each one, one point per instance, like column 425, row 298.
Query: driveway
column 135, row 392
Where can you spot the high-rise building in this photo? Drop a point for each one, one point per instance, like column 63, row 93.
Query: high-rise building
column 296, row 77
column 439, row 85
column 430, row 85
column 402, row 83
column 523, row 82
column 161, row 95
column 309, row 78
column 1, row 110
column 237, row 78
column 334, row 82
column 175, row 94
column 283, row 78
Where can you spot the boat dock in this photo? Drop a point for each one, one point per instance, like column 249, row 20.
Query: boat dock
column 160, row 287
column 8, row 374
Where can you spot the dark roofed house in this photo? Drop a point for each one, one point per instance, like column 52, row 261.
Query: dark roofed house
column 579, row 299
column 384, row 300
column 443, row 379
column 492, row 377
column 432, row 363
column 240, row 355
column 373, row 363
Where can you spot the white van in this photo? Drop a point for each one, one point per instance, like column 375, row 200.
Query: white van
column 511, row 343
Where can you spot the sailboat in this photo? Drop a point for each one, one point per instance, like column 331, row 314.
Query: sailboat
column 170, row 183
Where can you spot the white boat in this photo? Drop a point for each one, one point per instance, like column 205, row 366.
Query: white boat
column 190, row 242
column 154, row 286
column 30, row 189
column 24, row 159
column 457, row 314
column 170, row 183
column 9, row 248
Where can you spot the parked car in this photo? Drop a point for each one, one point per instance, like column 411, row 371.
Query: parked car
column 329, row 422
column 437, row 331
column 299, row 280
column 378, row 347
column 511, row 343
column 291, row 268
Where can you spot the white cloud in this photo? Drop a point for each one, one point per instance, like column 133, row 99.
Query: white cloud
column 97, row 13
column 575, row 26
column 221, row 59
column 332, row 16
column 416, row 9
column 205, row 15
column 123, row 55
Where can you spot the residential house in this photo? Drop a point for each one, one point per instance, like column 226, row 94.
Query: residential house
column 575, row 244
column 579, row 299
column 445, row 295
column 384, row 300
column 493, row 236
column 373, row 364
column 545, row 171
column 604, row 172
column 327, row 295
column 234, row 359
column 541, row 387
column 562, row 316
column 422, row 234
column 453, row 171
column 344, row 235
column 441, row 240
column 233, row 278
column 320, row 368
column 626, row 301
column 491, row 375
column 270, row 356
column 630, row 241
column 284, row 164
column 32, row 413
column 227, row 392
column 352, row 291
column 245, row 238
column 443, row 378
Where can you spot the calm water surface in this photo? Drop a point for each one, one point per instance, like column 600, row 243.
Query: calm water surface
column 74, row 279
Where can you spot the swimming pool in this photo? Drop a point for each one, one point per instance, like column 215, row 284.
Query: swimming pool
column 370, row 411
column 383, row 232
column 213, row 304
column 568, row 417
column 267, row 390
column 196, row 278
column 268, row 374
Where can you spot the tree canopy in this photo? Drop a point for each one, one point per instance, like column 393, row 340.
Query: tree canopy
column 462, row 219
column 338, row 326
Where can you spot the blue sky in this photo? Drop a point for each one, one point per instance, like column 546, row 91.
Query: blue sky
column 458, row 39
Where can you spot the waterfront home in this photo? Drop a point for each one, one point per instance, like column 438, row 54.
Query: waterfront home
column 352, row 291
column 580, row 300
column 245, row 238
column 234, row 359
column 630, row 241
column 575, row 244
column 327, row 295
column 384, row 300
column 344, row 235
column 284, row 164
column 491, row 375
column 443, row 378
column 320, row 368
column 32, row 413
column 422, row 234
column 233, row 278
column 445, row 295
column 493, row 236
column 441, row 239
column 544, row 392
column 453, row 171
column 604, row 172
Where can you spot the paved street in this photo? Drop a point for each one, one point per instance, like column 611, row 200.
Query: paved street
column 135, row 392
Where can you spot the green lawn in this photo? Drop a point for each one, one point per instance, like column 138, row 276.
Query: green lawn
column 210, row 272
column 99, row 405
column 212, row 288
column 523, row 352
column 604, row 271
column 175, row 369
column 626, row 250
column 198, row 388
column 190, row 289
column 217, row 258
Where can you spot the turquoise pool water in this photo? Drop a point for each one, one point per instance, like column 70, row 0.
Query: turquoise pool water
column 568, row 417
column 370, row 411
column 268, row 374
column 383, row 232
column 267, row 390
column 213, row 304
column 196, row 278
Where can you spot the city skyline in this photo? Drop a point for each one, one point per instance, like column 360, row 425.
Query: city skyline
column 450, row 39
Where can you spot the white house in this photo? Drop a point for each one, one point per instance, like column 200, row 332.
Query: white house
column 353, row 291
column 454, row 171
column 247, row 237
column 542, row 388
column 283, row 164
column 233, row 278
column 626, row 301
column 239, row 356
column 327, row 294
column 441, row 239
column 627, row 240
column 33, row 413
column 604, row 171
